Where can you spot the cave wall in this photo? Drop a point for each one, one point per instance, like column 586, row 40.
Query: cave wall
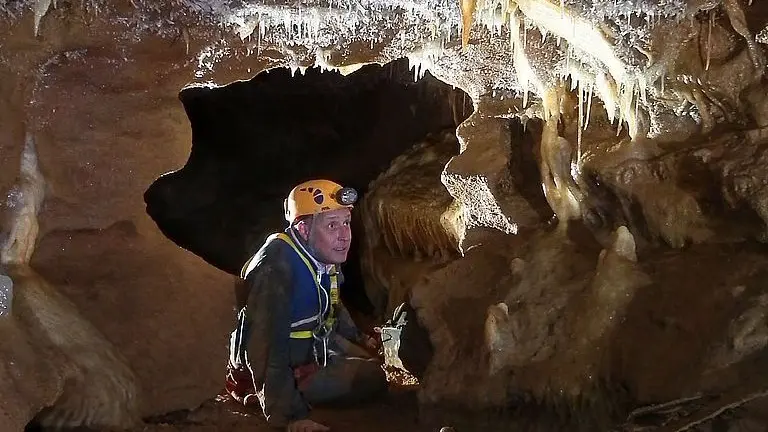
column 105, row 121
column 101, row 141
column 95, row 88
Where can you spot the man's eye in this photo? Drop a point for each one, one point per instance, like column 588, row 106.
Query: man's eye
column 332, row 225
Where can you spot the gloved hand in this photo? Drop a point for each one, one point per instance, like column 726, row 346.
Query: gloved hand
column 306, row 425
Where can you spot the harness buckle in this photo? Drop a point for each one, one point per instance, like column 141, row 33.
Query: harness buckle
column 321, row 333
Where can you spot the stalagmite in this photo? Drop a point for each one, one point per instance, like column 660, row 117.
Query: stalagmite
column 100, row 388
column 26, row 201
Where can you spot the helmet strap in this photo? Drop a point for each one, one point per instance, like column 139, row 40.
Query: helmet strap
column 307, row 243
column 310, row 233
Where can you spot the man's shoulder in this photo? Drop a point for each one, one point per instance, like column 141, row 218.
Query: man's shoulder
column 273, row 252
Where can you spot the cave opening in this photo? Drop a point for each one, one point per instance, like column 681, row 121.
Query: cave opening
column 253, row 140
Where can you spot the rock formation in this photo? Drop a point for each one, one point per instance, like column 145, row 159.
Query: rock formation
column 591, row 240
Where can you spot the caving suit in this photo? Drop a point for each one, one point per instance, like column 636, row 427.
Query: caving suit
column 294, row 343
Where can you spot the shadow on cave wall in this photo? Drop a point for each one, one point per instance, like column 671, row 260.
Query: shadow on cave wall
column 252, row 141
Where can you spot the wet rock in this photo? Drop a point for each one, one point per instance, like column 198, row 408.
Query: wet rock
column 744, row 181
column 60, row 364
column 572, row 318
column 648, row 198
column 747, row 334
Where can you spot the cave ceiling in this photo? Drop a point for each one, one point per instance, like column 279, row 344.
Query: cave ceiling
column 634, row 55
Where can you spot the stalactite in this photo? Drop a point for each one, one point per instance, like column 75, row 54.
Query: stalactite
column 467, row 13
column 41, row 8
column 739, row 23
column 710, row 23
column 405, row 204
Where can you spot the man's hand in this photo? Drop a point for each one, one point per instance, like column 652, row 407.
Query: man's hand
column 306, row 425
column 373, row 343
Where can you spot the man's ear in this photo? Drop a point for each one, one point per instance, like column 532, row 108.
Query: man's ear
column 303, row 229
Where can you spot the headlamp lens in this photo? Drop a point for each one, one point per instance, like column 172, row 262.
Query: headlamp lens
column 346, row 196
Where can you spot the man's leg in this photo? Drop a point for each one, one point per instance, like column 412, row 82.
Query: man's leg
column 239, row 379
column 345, row 380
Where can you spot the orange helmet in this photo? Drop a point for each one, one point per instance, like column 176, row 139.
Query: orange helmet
column 317, row 196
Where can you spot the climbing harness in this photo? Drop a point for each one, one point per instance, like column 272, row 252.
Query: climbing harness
column 322, row 331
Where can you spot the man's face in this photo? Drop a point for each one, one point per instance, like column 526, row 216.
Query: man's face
column 329, row 236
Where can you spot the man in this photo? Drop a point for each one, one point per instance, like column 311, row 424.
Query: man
column 295, row 344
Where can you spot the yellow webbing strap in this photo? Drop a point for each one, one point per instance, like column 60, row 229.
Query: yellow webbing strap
column 331, row 320
column 302, row 334
column 334, row 300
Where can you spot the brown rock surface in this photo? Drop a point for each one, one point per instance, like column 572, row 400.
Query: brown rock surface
column 106, row 121
column 661, row 297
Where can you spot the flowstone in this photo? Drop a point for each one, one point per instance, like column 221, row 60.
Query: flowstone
column 6, row 295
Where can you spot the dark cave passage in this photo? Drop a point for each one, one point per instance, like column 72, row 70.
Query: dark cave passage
column 252, row 141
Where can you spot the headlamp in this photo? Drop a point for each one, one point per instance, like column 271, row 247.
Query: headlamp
column 346, row 196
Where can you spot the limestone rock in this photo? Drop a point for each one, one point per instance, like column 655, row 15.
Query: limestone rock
column 95, row 87
column 403, row 209
column 747, row 334
column 403, row 215
column 99, row 143
column 454, row 319
column 142, row 293
column 59, row 363
column 480, row 181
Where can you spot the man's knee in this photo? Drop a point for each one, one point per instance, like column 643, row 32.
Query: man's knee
column 370, row 379
column 346, row 381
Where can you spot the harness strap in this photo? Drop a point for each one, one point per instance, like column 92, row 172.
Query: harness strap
column 331, row 320
column 301, row 334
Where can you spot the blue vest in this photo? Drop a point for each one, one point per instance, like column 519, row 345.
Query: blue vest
column 314, row 297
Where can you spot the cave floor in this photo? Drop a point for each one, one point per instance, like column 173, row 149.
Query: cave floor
column 395, row 412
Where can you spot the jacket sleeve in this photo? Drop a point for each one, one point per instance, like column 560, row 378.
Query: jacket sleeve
column 270, row 290
column 346, row 326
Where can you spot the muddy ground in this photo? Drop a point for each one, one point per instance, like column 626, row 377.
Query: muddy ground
column 397, row 412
